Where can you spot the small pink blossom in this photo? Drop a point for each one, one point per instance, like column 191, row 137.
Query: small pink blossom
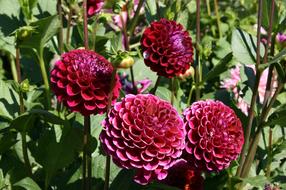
column 94, row 6
column 232, row 84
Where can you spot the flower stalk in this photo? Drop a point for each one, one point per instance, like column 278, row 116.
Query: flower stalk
column 265, row 110
column 21, row 111
column 60, row 35
column 198, row 64
column 254, row 95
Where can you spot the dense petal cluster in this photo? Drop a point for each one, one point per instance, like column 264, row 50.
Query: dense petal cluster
column 81, row 80
column 167, row 48
column 214, row 135
column 144, row 133
column 94, row 6
column 184, row 176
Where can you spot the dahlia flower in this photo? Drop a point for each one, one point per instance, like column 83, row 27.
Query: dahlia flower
column 214, row 135
column 167, row 48
column 144, row 133
column 232, row 84
column 281, row 39
column 183, row 176
column 94, row 6
column 81, row 80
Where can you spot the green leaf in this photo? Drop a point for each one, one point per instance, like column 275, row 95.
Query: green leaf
column 23, row 122
column 278, row 117
column 275, row 59
column 151, row 10
column 127, row 183
column 48, row 116
column 45, row 29
column 257, row 181
column 9, row 100
column 28, row 184
column 183, row 18
column 6, row 141
column 27, row 8
column 53, row 155
column 160, row 186
column 219, row 68
column 244, row 47
column 266, row 11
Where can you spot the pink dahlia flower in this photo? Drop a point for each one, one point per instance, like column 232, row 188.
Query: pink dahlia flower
column 143, row 133
column 232, row 84
column 281, row 39
column 81, row 80
column 214, row 135
column 183, row 176
column 94, row 6
column 167, row 48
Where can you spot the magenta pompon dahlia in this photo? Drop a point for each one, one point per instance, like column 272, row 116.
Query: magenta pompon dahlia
column 214, row 135
column 81, row 80
column 94, row 6
column 167, row 48
column 144, row 133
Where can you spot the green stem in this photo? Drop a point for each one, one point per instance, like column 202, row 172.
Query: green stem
column 265, row 110
column 191, row 94
column 21, row 111
column 68, row 26
column 172, row 81
column 153, row 91
column 135, row 18
column 268, row 167
column 60, row 36
column 208, row 7
column 217, row 18
column 86, row 155
column 110, row 95
column 13, row 68
column 254, row 95
column 198, row 64
column 45, row 79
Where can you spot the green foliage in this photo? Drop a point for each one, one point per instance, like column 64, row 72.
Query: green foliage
column 244, row 47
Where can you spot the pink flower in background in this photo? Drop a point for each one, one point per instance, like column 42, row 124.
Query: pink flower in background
column 127, row 86
column 121, row 19
column 281, row 39
column 81, row 80
column 94, row 6
column 183, row 176
column 144, row 133
column 214, row 135
column 232, row 84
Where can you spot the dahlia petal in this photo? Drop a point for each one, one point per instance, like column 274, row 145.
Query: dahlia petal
column 132, row 156
column 87, row 95
column 121, row 155
column 72, row 89
column 73, row 102
column 90, row 105
column 152, row 165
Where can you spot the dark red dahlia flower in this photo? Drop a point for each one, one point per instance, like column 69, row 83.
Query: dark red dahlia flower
column 183, row 176
column 167, row 48
column 94, row 6
column 214, row 135
column 144, row 133
column 81, row 80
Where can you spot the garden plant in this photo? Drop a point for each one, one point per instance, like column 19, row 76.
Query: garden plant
column 142, row 94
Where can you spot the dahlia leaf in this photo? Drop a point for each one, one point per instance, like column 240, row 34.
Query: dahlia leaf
column 156, row 186
column 53, row 155
column 45, row 29
column 9, row 100
column 278, row 117
column 7, row 140
column 266, row 11
column 244, row 47
column 127, row 183
column 151, row 10
column 28, row 184
column 219, row 68
column 257, row 181
column 27, row 8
